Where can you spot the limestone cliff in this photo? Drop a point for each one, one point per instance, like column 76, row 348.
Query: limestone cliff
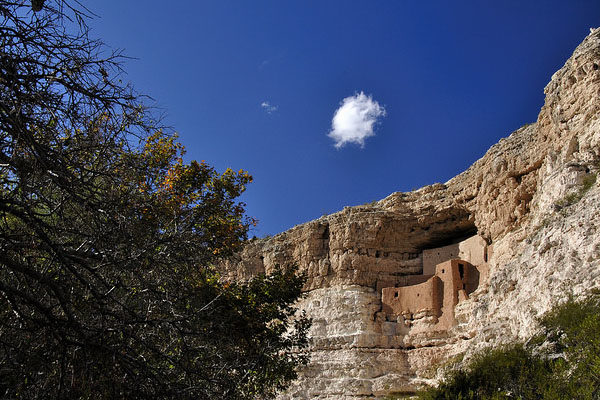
column 533, row 200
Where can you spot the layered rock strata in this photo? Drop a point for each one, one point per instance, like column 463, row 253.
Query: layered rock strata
column 532, row 200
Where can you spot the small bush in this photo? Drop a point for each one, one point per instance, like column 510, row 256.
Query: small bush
column 504, row 373
column 561, row 363
column 573, row 329
column 588, row 181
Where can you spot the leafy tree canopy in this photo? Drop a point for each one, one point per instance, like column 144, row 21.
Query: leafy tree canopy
column 107, row 238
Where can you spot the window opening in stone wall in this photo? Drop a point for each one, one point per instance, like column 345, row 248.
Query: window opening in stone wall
column 396, row 294
column 461, row 270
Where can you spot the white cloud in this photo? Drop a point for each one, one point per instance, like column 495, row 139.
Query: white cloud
column 268, row 107
column 263, row 64
column 353, row 121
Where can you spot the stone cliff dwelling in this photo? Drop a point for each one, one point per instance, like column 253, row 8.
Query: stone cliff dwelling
column 450, row 274
column 397, row 289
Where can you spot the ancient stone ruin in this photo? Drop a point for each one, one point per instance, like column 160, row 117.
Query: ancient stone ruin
column 450, row 274
column 399, row 288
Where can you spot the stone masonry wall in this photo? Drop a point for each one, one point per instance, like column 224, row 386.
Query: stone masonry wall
column 426, row 296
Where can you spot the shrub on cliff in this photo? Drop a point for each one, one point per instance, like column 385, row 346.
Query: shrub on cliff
column 107, row 238
column 561, row 363
column 505, row 373
column 573, row 330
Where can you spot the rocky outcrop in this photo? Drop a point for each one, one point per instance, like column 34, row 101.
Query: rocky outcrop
column 363, row 245
column 533, row 199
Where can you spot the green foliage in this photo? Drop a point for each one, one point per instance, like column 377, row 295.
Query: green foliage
column 588, row 182
column 511, row 372
column 572, row 198
column 573, row 328
column 399, row 396
column 108, row 240
column 266, row 303
column 561, row 363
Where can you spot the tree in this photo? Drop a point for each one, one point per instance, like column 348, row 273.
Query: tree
column 107, row 238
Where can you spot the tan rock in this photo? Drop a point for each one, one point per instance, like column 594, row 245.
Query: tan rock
column 534, row 244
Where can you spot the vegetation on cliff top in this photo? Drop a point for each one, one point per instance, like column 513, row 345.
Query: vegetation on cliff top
column 107, row 238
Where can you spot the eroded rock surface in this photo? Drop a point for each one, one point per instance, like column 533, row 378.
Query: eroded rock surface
column 532, row 199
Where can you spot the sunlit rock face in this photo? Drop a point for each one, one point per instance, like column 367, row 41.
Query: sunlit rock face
column 538, row 239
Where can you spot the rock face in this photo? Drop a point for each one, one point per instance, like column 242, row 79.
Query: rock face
column 534, row 205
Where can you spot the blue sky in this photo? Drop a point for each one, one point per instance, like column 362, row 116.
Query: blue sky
column 255, row 85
